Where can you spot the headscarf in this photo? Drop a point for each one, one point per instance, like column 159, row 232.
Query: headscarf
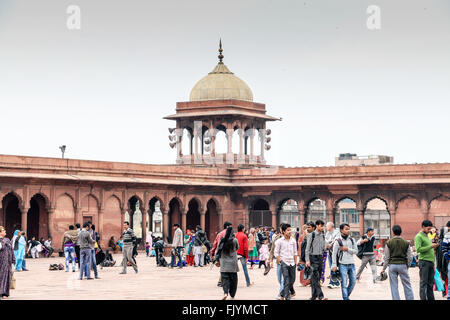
column 14, row 238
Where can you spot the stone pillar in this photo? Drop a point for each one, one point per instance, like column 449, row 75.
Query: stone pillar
column 220, row 218
column 230, row 156
column 361, row 221
column 263, row 138
column 101, row 212
column 213, row 141
column 165, row 213
column 144, row 225
column 203, row 219
column 122, row 217
column 179, row 137
column 241, row 158
column 246, row 219
column 330, row 215
column 79, row 216
column 183, row 221
column 25, row 219
column 51, row 216
column 252, row 136
column 274, row 219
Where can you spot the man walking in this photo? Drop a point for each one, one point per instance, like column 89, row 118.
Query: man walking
column 271, row 256
column 330, row 236
column 242, row 252
column 70, row 237
column 425, row 249
column 199, row 244
column 344, row 248
column 77, row 245
column 94, row 236
column 286, row 253
column 366, row 242
column 398, row 256
column 178, row 245
column 315, row 247
column 85, row 241
column 127, row 251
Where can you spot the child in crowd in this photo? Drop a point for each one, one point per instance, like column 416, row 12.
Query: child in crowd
column 263, row 254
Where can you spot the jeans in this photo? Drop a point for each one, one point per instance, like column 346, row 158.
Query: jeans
column 316, row 266
column 94, row 262
column 85, row 263
column 280, row 278
column 426, row 274
column 69, row 252
column 330, row 262
column 368, row 258
column 244, row 268
column 401, row 270
column 289, row 280
column 348, row 273
column 178, row 254
column 77, row 254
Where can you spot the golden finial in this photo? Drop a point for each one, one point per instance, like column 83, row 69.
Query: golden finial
column 220, row 51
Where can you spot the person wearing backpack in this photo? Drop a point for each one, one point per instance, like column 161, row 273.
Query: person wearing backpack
column 315, row 247
column 366, row 254
column 398, row 256
column 330, row 237
column 344, row 248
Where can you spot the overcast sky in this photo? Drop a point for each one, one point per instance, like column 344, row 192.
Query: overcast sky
column 339, row 86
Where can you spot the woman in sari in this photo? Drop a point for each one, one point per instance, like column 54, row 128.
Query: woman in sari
column 19, row 254
column 252, row 251
column 6, row 260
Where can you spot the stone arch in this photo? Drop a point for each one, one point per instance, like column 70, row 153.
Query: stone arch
column 67, row 193
column 62, row 217
column 175, row 209
column 439, row 211
column 288, row 212
column 260, row 213
column 12, row 214
column 193, row 214
column 187, row 137
column 408, row 215
column 37, row 217
column 376, row 215
column 221, row 140
column 346, row 211
column 212, row 226
column 316, row 209
column 135, row 213
column 155, row 216
column 111, row 220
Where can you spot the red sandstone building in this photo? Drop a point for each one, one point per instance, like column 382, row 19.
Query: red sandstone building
column 207, row 187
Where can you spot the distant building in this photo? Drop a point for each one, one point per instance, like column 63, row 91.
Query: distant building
column 352, row 159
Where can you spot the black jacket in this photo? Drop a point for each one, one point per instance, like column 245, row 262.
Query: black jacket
column 368, row 246
column 200, row 238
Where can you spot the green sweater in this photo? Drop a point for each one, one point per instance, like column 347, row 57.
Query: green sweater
column 424, row 247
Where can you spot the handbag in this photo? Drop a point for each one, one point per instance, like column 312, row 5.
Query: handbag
column 437, row 279
column 204, row 249
column 12, row 284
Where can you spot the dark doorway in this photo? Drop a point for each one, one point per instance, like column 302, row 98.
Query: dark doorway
column 37, row 218
column 13, row 215
column 193, row 215
column 174, row 217
column 260, row 214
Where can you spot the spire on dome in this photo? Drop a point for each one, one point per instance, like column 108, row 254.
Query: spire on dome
column 220, row 51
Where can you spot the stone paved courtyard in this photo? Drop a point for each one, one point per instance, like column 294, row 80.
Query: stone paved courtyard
column 163, row 283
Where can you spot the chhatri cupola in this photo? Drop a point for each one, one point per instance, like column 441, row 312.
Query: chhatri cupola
column 220, row 106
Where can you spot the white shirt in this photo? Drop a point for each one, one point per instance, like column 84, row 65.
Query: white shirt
column 286, row 250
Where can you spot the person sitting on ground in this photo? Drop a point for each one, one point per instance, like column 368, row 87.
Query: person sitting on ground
column 109, row 261
column 48, row 246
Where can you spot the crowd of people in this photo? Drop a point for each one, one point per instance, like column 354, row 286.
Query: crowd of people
column 304, row 252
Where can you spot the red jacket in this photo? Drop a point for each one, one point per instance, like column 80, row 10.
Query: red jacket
column 219, row 236
column 243, row 244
